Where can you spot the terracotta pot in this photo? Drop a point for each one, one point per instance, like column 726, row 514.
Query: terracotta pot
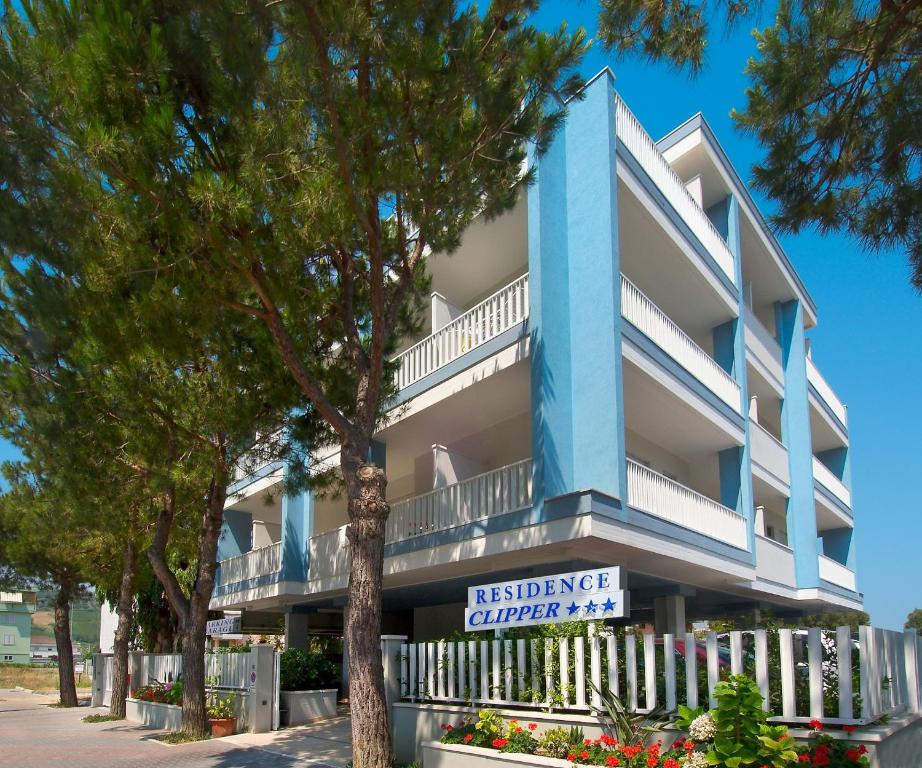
column 222, row 726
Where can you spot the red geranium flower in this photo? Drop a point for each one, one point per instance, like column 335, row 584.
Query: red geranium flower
column 816, row 725
column 670, row 763
column 584, row 754
column 653, row 749
column 532, row 726
column 849, row 728
column 853, row 755
column 652, row 762
column 518, row 729
column 587, row 742
column 572, row 757
column 804, row 758
column 613, row 761
column 677, row 743
column 688, row 745
column 468, row 736
column 500, row 743
column 862, row 750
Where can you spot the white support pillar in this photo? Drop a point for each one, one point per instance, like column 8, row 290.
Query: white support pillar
column 99, row 680
column 669, row 615
column 443, row 311
column 296, row 626
column 450, row 467
column 760, row 521
column 390, row 657
column 260, row 688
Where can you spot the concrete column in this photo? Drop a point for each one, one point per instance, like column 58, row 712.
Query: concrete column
column 450, row 467
column 391, row 656
column 99, row 679
column 296, row 630
column 575, row 305
column 669, row 614
column 760, row 521
column 443, row 311
column 795, row 431
column 261, row 688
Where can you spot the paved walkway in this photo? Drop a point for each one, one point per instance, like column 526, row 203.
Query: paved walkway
column 33, row 735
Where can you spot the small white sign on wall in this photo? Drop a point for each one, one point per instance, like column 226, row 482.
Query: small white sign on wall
column 226, row 626
column 577, row 596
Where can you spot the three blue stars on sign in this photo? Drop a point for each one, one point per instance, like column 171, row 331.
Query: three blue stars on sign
column 591, row 607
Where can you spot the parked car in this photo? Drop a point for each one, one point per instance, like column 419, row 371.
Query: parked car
column 701, row 653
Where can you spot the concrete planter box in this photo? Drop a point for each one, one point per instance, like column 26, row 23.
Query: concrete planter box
column 307, row 706
column 154, row 714
column 436, row 755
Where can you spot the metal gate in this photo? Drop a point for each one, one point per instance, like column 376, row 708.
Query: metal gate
column 276, row 670
column 105, row 669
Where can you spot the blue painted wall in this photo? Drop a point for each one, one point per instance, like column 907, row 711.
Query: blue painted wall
column 795, row 432
column 297, row 527
column 575, row 305
column 236, row 534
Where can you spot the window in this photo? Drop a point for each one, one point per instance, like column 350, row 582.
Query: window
column 8, row 620
column 9, row 639
column 7, row 658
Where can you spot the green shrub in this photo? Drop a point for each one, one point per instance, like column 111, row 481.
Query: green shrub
column 300, row 671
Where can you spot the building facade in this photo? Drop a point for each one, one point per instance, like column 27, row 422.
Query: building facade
column 616, row 372
column 16, row 609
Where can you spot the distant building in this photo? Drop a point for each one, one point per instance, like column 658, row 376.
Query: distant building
column 43, row 648
column 16, row 609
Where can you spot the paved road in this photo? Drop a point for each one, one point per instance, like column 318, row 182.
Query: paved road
column 32, row 735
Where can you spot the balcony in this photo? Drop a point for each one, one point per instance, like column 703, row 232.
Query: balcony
column 775, row 562
column 824, row 476
column 487, row 320
column 836, row 573
column 638, row 142
column 826, row 393
column 250, row 565
column 764, row 351
column 656, row 494
column 484, row 496
column 650, row 320
column 769, row 454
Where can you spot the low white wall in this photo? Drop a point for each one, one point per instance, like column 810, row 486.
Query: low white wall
column 412, row 725
column 307, row 706
column 154, row 714
column 437, row 755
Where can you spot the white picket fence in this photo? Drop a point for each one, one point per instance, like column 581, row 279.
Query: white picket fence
column 810, row 672
column 222, row 670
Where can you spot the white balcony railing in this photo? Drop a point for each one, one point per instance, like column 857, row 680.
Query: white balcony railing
column 825, row 477
column 656, row 494
column 648, row 318
column 826, row 392
column 328, row 554
column 836, row 573
column 774, row 561
column 493, row 493
column 643, row 148
column 501, row 311
column 249, row 565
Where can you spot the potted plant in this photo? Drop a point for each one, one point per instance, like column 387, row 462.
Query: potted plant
column 221, row 715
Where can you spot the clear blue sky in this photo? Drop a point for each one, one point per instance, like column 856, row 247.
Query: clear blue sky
column 868, row 341
column 867, row 344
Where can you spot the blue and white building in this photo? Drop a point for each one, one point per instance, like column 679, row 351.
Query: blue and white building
column 618, row 371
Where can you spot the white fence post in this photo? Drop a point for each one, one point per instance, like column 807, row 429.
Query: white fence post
column 844, row 671
column 911, row 658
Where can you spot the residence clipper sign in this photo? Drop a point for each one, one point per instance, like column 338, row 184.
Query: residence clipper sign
column 577, row 596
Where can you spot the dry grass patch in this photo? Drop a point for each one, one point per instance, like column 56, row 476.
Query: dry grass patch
column 36, row 678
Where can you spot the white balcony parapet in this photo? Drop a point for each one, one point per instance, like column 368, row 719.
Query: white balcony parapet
column 825, row 477
column 501, row 311
column 775, row 562
column 328, row 554
column 836, row 573
column 826, row 392
column 769, row 452
column 249, row 565
column 501, row 490
column 643, row 148
column 648, row 318
column 657, row 495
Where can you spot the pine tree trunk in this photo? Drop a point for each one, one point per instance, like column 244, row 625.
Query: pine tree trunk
column 125, row 610
column 66, row 682
column 194, row 714
column 368, row 510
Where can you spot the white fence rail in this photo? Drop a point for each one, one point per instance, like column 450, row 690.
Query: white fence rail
column 222, row 670
column 249, row 565
column 488, row 319
column 802, row 674
column 648, row 318
column 826, row 393
column 492, row 493
column 824, row 475
column 643, row 148
column 651, row 492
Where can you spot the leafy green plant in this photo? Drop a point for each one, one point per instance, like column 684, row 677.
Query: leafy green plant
column 742, row 737
column 555, row 742
column 221, row 708
column 624, row 726
column 301, row 671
